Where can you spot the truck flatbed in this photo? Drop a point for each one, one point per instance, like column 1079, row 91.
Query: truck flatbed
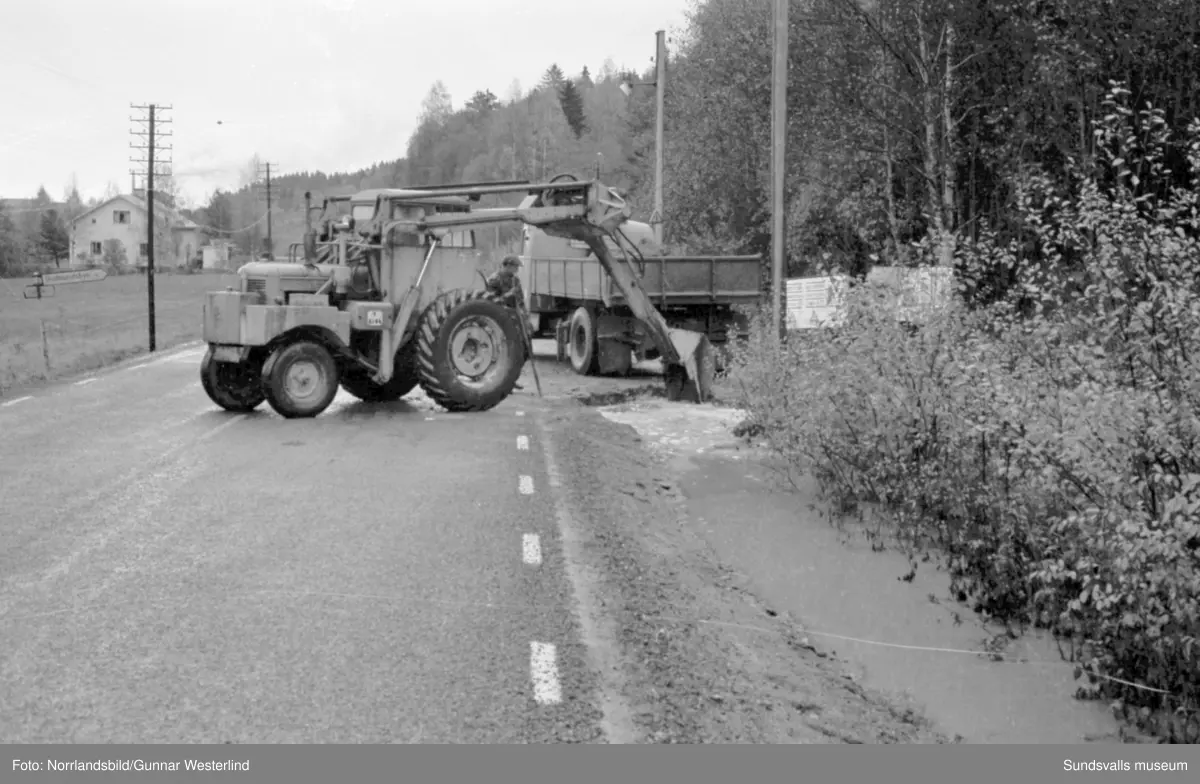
column 671, row 281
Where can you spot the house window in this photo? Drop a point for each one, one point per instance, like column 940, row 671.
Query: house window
column 143, row 250
column 120, row 216
column 96, row 249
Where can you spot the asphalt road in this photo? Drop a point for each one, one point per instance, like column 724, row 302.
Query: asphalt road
column 173, row 573
column 170, row 572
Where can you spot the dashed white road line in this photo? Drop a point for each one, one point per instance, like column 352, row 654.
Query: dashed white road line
column 17, row 400
column 85, row 381
column 523, row 443
column 139, row 367
column 531, row 549
column 543, row 667
column 526, row 485
column 520, row 413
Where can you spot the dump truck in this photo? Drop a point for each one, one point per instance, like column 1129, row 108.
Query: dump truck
column 381, row 305
column 571, row 297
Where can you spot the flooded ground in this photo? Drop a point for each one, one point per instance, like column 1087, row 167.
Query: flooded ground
column 897, row 630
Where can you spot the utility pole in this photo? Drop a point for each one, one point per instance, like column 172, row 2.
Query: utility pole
column 660, row 81
column 778, row 161
column 660, row 91
column 151, row 135
column 270, row 244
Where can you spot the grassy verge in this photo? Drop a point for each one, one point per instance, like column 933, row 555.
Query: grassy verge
column 1046, row 445
column 85, row 326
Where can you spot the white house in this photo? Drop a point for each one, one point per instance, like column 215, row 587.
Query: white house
column 177, row 240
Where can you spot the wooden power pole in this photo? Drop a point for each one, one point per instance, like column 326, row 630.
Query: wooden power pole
column 265, row 171
column 779, row 162
column 152, row 164
column 660, row 92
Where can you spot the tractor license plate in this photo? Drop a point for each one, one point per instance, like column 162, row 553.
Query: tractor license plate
column 228, row 353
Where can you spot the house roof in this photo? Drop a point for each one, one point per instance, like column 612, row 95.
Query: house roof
column 120, row 197
column 140, row 203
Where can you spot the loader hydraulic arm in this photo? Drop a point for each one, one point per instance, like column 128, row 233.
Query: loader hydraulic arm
column 589, row 212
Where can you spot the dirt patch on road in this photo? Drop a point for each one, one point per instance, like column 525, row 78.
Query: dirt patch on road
column 644, row 382
column 706, row 660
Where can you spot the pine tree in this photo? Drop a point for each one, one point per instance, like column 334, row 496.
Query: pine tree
column 53, row 240
column 553, row 78
column 585, row 78
column 10, row 246
column 483, row 101
column 572, row 107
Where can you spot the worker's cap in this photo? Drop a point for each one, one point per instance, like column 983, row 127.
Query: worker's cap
column 511, row 261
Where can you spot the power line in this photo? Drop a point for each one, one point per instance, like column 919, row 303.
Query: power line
column 236, row 231
column 149, row 168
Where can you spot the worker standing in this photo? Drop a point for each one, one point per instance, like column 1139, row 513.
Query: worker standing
column 505, row 285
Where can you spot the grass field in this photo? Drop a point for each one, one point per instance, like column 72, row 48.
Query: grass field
column 90, row 325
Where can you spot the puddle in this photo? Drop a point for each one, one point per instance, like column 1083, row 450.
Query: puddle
column 897, row 631
column 680, row 430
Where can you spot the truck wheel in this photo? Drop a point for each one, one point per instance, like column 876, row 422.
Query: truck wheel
column 470, row 351
column 234, row 386
column 404, row 380
column 301, row 379
column 581, row 342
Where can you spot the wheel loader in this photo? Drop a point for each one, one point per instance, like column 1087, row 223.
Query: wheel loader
column 386, row 297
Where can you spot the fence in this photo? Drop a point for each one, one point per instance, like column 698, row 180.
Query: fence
column 819, row 302
column 88, row 325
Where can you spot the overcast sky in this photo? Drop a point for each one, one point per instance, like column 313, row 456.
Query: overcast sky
column 334, row 85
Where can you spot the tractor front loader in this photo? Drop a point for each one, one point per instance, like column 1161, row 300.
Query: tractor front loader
column 392, row 302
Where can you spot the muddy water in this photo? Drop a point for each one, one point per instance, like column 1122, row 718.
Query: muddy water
column 898, row 631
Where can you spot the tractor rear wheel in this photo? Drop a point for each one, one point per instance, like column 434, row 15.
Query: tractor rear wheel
column 404, row 379
column 470, row 351
column 234, row 386
column 301, row 379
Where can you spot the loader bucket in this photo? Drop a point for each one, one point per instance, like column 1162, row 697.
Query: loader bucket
column 692, row 379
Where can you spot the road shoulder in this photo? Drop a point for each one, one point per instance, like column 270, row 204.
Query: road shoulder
column 704, row 660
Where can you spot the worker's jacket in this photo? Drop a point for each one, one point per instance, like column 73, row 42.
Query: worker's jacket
column 506, row 286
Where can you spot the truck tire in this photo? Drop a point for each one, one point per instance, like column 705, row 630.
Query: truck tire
column 470, row 351
column 404, row 380
column 582, row 345
column 235, row 387
column 301, row 379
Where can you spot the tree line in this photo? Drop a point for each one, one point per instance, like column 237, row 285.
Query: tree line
column 37, row 229
column 565, row 123
column 910, row 121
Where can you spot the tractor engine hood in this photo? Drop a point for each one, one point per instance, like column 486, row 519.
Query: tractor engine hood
column 283, row 269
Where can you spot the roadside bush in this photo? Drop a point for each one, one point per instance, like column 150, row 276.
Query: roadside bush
column 1047, row 445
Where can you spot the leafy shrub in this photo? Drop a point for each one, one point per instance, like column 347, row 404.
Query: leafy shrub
column 1047, row 444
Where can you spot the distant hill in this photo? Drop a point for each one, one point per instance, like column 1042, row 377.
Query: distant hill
column 561, row 125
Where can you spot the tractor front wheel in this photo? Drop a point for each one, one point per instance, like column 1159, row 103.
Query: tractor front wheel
column 234, row 386
column 301, row 379
column 470, row 351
